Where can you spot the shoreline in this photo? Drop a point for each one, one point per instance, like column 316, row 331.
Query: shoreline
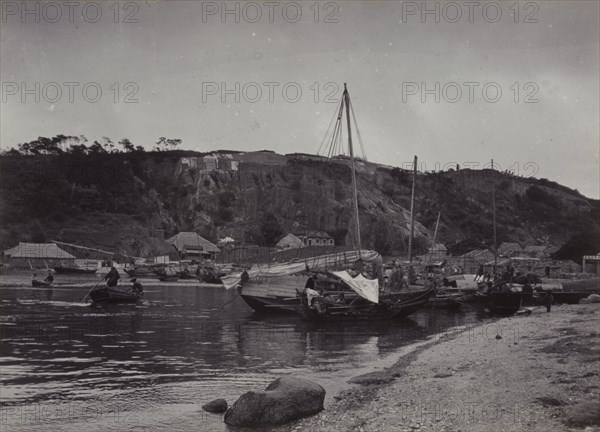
column 520, row 373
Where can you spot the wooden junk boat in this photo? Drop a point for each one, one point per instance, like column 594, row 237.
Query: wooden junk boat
column 275, row 287
column 364, row 303
column 281, row 287
column 503, row 299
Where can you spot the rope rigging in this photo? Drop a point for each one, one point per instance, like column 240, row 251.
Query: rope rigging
column 336, row 145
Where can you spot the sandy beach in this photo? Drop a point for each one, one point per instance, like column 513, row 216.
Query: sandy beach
column 522, row 373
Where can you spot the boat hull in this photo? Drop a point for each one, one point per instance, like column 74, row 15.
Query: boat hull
column 74, row 270
column 408, row 303
column 568, row 297
column 36, row 283
column 111, row 295
column 445, row 302
column 262, row 305
column 139, row 272
column 391, row 306
column 274, row 294
column 502, row 303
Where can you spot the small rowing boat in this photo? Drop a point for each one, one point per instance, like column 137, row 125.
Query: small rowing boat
column 40, row 284
column 113, row 295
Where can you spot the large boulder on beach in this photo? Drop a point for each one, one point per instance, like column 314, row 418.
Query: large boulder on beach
column 284, row 400
column 583, row 414
column 216, row 406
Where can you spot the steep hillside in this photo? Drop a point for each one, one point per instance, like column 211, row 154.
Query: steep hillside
column 127, row 202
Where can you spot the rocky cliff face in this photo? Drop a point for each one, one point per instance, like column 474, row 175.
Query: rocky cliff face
column 134, row 200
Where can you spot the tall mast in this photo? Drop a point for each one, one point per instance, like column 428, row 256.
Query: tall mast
column 351, row 151
column 494, row 213
column 412, row 221
column 436, row 229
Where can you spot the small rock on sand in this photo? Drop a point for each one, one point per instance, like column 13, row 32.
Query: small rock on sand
column 216, row 406
column 372, row 378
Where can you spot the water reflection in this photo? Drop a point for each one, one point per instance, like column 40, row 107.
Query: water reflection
column 179, row 348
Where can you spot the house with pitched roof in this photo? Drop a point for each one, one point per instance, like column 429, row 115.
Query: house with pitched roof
column 289, row 241
column 507, row 249
column 38, row 255
column 315, row 238
column 469, row 263
column 193, row 246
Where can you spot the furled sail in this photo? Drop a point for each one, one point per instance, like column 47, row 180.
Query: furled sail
column 321, row 263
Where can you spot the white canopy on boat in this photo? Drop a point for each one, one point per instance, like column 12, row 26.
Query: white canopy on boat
column 366, row 288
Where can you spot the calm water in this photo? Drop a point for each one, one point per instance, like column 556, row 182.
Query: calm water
column 70, row 367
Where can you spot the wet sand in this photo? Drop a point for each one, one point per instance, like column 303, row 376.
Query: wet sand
column 523, row 373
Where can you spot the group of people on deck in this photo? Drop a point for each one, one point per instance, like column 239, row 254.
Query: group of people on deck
column 483, row 276
column 316, row 299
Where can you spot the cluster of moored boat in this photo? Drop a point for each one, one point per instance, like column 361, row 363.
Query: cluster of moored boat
column 332, row 287
column 172, row 272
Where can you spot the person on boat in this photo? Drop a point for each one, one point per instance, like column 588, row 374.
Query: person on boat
column 311, row 282
column 479, row 276
column 137, row 287
column 112, row 277
column 396, row 279
column 34, row 277
column 340, row 299
column 321, row 307
column 327, row 298
column 245, row 277
column 49, row 278
column 311, row 297
column 549, row 299
column 411, row 276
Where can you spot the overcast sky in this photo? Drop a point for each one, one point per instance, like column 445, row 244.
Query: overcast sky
column 177, row 49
